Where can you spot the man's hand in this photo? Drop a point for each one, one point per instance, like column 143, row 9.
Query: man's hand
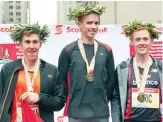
column 30, row 97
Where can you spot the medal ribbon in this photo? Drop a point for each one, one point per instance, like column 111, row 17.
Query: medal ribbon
column 142, row 82
column 90, row 68
column 27, row 76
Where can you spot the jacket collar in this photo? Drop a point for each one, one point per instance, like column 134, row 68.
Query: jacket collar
column 20, row 66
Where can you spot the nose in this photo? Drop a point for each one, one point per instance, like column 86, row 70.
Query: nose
column 94, row 25
column 31, row 45
column 142, row 42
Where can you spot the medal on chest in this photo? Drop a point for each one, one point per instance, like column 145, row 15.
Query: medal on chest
column 141, row 79
column 90, row 67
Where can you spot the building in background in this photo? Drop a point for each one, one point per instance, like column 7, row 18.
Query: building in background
column 117, row 12
column 1, row 11
column 16, row 12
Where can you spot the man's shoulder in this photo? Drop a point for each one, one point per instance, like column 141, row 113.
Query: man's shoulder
column 104, row 45
column 11, row 66
column 4, row 61
column 124, row 64
column 70, row 46
column 48, row 65
column 158, row 62
column 13, row 62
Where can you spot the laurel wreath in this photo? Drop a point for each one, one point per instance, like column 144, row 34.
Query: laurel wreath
column 139, row 25
column 85, row 10
column 17, row 32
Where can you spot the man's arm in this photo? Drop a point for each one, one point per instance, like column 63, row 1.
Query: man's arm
column 115, row 103
column 111, row 74
column 56, row 101
column 2, row 83
column 61, row 89
column 63, row 67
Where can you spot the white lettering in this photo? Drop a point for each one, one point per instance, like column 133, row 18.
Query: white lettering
column 149, row 82
column 149, row 76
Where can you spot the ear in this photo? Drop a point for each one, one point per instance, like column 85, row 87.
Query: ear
column 131, row 41
column 79, row 23
column 152, row 40
column 41, row 44
column 20, row 44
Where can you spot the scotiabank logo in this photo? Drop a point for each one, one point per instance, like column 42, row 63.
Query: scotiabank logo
column 58, row 29
column 69, row 29
column 7, row 29
column 76, row 30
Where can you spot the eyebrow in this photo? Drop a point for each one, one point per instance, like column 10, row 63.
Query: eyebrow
column 142, row 37
column 31, row 40
column 93, row 21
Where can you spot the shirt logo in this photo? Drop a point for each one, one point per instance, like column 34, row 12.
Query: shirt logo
column 154, row 70
column 50, row 76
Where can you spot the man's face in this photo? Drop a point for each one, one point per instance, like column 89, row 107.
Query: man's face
column 89, row 25
column 30, row 45
column 141, row 41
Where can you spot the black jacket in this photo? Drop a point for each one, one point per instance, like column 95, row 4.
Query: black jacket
column 52, row 94
column 87, row 100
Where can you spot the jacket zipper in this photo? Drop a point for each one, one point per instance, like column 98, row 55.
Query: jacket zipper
column 7, row 94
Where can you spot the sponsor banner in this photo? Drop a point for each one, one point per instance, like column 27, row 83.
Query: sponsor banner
column 10, row 51
column 62, row 35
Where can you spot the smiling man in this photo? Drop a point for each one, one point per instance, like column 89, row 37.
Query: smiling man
column 139, row 87
column 31, row 79
column 88, row 68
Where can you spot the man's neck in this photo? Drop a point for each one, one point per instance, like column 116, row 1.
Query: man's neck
column 30, row 64
column 87, row 40
column 142, row 60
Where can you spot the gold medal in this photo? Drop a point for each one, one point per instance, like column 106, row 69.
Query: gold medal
column 90, row 67
column 89, row 77
column 141, row 79
column 141, row 97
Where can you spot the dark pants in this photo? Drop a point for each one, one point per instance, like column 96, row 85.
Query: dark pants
column 88, row 120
